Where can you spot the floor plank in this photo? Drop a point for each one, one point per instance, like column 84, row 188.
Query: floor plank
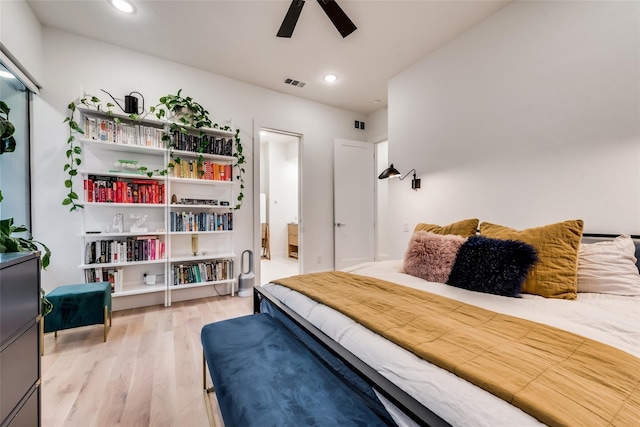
column 148, row 373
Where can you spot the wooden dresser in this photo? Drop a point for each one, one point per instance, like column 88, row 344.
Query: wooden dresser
column 20, row 339
column 292, row 240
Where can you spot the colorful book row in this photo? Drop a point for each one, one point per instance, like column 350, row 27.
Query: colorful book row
column 205, row 170
column 207, row 144
column 115, row 276
column 211, row 271
column 141, row 248
column 110, row 189
column 121, row 133
column 203, row 221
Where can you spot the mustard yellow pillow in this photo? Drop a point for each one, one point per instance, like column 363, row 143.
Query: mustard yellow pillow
column 555, row 275
column 464, row 228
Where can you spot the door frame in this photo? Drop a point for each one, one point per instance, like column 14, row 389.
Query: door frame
column 257, row 244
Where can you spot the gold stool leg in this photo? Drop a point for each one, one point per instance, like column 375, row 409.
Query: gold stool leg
column 105, row 323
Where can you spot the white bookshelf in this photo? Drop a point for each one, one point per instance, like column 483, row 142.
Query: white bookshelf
column 110, row 163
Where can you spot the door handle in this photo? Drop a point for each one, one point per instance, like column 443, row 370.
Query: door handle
column 339, row 224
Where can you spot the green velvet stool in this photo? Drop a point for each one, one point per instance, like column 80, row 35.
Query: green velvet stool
column 79, row 305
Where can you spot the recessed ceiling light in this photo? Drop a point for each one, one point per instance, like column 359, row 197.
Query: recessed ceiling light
column 7, row 75
column 330, row 78
column 123, row 6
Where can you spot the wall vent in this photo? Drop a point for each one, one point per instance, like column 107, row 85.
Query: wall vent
column 294, row 82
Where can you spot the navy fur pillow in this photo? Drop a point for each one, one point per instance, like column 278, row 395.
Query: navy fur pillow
column 493, row 266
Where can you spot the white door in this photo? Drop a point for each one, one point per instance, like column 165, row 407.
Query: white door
column 353, row 214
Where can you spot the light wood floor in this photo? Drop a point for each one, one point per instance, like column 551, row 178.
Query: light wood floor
column 148, row 373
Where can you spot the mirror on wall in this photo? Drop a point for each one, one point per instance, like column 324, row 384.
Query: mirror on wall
column 279, row 204
column 14, row 160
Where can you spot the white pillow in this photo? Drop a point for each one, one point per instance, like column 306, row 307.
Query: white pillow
column 609, row 267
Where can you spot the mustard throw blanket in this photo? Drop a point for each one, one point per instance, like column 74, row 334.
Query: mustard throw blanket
column 558, row 377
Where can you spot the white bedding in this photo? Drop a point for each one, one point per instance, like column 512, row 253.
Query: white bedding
column 612, row 319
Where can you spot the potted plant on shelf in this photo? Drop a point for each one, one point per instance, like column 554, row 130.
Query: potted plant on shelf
column 7, row 141
column 180, row 114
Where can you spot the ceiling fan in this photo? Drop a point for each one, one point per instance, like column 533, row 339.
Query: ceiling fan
column 343, row 24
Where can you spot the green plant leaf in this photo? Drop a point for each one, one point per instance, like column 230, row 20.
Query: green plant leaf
column 4, row 108
column 68, row 183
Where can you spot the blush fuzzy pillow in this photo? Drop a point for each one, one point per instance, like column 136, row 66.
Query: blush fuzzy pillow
column 493, row 266
column 431, row 256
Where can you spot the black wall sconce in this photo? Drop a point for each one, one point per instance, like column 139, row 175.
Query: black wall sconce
column 392, row 172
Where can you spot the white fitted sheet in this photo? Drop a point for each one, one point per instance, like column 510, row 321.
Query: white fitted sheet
column 611, row 319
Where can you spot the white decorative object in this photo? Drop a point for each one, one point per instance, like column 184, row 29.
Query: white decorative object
column 140, row 219
column 117, row 224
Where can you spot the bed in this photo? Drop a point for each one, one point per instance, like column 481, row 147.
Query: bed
column 608, row 317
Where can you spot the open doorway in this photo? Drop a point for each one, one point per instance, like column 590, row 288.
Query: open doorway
column 279, row 204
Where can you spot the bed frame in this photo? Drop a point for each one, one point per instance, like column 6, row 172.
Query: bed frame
column 407, row 404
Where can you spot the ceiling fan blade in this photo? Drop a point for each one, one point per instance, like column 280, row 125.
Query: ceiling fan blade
column 343, row 24
column 291, row 18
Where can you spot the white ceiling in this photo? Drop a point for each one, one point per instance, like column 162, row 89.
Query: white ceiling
column 238, row 39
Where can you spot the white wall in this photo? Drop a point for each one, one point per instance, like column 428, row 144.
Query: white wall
column 73, row 64
column 21, row 35
column 531, row 117
column 377, row 126
column 383, row 245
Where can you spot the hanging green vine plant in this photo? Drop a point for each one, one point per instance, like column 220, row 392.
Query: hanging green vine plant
column 180, row 115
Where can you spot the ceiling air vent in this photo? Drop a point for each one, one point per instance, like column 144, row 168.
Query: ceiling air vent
column 294, row 82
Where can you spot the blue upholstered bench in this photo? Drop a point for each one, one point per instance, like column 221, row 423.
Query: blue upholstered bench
column 264, row 376
column 79, row 305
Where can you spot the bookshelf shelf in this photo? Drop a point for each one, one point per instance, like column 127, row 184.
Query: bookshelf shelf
column 140, row 289
column 200, row 232
column 114, row 146
column 196, row 258
column 182, row 153
column 200, row 181
column 127, row 175
column 113, row 199
column 124, row 205
column 202, row 284
column 181, row 206
column 124, row 234
column 122, row 264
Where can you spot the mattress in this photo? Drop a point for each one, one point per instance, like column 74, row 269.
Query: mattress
column 611, row 319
